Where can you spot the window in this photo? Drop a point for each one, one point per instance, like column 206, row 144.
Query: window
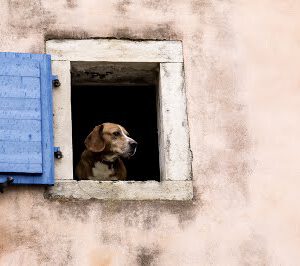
column 75, row 61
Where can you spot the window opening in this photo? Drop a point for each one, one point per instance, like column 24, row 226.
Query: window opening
column 121, row 93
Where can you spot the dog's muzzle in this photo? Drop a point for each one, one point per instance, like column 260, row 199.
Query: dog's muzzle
column 133, row 145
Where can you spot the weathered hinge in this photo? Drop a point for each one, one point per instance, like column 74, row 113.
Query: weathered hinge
column 57, row 153
column 55, row 81
column 8, row 181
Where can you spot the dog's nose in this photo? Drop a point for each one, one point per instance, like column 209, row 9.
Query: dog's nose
column 133, row 144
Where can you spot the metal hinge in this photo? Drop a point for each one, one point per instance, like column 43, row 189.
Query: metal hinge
column 8, row 181
column 55, row 81
column 57, row 153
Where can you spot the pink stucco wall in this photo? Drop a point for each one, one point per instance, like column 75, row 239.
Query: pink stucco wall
column 242, row 61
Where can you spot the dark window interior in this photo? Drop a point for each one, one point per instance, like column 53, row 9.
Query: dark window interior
column 134, row 107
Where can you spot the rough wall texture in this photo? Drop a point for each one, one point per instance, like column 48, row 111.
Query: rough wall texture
column 241, row 64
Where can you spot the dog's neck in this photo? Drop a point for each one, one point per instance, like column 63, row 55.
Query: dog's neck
column 109, row 158
column 106, row 158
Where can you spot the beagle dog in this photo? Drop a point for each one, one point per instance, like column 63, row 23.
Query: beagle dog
column 105, row 146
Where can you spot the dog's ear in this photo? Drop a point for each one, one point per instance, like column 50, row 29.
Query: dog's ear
column 94, row 141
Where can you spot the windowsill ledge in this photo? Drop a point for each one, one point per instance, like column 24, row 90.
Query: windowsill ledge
column 121, row 190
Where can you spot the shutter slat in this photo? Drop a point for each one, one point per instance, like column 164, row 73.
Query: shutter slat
column 19, row 67
column 16, row 124
column 21, row 158
column 20, row 114
column 25, row 87
column 39, row 57
column 20, row 104
column 21, row 55
column 10, row 84
column 26, row 134
column 10, row 55
column 21, row 167
column 12, row 147
column 31, row 86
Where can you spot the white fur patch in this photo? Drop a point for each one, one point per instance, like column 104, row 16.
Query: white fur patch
column 101, row 171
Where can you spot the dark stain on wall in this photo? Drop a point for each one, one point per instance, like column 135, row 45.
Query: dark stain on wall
column 26, row 228
column 141, row 215
column 238, row 132
column 164, row 6
column 199, row 6
column 122, row 6
column 233, row 161
column 29, row 16
column 69, row 208
column 12, row 236
column 162, row 31
column 110, row 237
column 36, row 48
column 150, row 221
column 124, row 34
column 66, row 34
column 147, row 256
column 185, row 211
column 143, row 219
column 253, row 252
column 71, row 3
column 145, row 215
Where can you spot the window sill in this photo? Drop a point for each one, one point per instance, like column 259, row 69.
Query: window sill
column 121, row 190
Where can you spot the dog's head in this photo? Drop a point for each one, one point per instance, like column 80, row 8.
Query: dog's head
column 112, row 139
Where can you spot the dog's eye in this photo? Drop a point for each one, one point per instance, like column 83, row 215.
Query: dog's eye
column 117, row 134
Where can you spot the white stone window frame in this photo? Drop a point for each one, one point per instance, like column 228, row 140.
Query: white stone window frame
column 174, row 148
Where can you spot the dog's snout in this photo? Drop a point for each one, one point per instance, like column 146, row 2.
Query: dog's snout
column 133, row 144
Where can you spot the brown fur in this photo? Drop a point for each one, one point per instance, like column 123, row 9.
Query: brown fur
column 102, row 144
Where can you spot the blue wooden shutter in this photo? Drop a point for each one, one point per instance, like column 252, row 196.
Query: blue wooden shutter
column 26, row 127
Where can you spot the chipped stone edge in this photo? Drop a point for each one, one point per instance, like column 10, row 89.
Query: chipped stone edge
column 175, row 156
column 120, row 190
column 115, row 50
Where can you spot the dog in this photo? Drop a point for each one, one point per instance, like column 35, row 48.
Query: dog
column 105, row 146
